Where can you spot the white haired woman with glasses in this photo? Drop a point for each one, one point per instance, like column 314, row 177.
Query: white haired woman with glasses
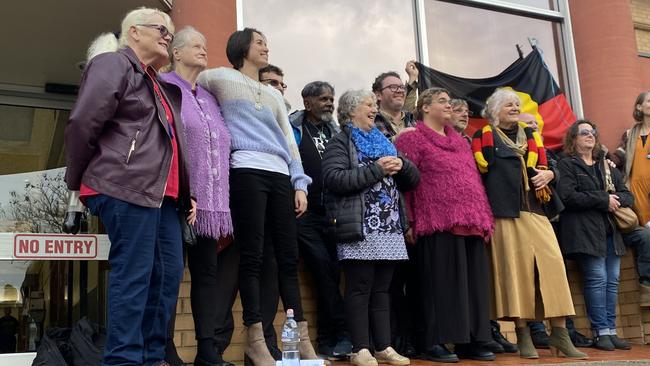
column 124, row 154
column 363, row 175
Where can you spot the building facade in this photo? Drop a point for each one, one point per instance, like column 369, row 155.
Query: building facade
column 599, row 52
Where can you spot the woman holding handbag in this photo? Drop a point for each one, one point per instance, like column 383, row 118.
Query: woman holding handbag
column 592, row 194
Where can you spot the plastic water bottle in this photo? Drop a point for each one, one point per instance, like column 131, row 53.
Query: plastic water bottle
column 290, row 340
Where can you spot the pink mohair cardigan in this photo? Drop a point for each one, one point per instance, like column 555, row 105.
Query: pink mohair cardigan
column 450, row 196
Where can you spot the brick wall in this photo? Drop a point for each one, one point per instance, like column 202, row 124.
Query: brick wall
column 184, row 335
column 641, row 18
column 633, row 322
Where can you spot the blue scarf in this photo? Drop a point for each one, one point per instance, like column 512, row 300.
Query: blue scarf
column 373, row 143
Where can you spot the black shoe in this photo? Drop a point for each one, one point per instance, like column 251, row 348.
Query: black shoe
column 408, row 350
column 604, row 343
column 343, row 348
column 207, row 354
column 439, row 353
column 492, row 346
column 474, row 351
column 540, row 339
column 499, row 338
column 580, row 340
column 619, row 343
column 171, row 356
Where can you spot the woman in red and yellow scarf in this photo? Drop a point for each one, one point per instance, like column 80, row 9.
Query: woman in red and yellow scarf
column 526, row 257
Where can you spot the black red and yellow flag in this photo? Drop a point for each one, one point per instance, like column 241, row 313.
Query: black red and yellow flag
column 528, row 77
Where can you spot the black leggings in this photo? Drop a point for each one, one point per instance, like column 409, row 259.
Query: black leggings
column 367, row 302
column 260, row 199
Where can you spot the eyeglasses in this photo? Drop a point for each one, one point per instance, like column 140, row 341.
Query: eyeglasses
column 274, row 82
column 585, row 132
column 164, row 32
column 395, row 88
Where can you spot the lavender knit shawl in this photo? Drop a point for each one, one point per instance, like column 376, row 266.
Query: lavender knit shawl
column 208, row 152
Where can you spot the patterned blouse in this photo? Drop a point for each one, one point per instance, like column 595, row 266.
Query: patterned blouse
column 384, row 238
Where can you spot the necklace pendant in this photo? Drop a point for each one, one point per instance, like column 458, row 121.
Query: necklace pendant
column 258, row 106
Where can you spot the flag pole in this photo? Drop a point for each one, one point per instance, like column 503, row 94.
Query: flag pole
column 533, row 43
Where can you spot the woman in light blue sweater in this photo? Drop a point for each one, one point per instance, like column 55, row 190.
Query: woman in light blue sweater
column 268, row 185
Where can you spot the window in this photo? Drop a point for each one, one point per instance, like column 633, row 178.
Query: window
column 346, row 43
column 476, row 43
column 39, row 294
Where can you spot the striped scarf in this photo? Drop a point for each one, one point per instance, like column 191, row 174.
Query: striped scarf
column 529, row 147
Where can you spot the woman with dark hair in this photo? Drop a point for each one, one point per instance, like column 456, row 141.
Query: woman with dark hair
column 363, row 176
column 591, row 194
column 124, row 154
column 208, row 153
column 525, row 253
column 450, row 243
column 268, row 185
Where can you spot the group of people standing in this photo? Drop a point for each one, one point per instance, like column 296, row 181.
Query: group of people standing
column 430, row 232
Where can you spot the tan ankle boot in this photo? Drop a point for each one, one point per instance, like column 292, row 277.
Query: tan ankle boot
column 390, row 356
column 525, row 343
column 256, row 348
column 560, row 342
column 306, row 349
column 644, row 295
column 363, row 358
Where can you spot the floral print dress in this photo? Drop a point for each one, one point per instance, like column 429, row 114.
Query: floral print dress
column 384, row 237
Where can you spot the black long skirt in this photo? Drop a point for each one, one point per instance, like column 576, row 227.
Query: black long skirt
column 454, row 276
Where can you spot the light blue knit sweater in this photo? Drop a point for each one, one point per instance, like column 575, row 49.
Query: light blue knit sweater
column 266, row 130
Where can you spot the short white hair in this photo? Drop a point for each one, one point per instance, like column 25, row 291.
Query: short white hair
column 181, row 38
column 349, row 101
column 495, row 102
column 108, row 42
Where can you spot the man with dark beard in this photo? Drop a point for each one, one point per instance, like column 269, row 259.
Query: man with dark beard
column 313, row 127
column 392, row 119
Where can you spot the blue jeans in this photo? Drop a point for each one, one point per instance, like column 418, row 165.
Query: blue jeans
column 601, row 276
column 146, row 261
column 639, row 239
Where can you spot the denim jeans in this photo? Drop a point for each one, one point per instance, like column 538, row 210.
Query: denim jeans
column 601, row 277
column 639, row 240
column 146, row 260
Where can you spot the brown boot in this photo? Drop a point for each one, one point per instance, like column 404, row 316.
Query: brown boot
column 306, row 349
column 525, row 343
column 560, row 342
column 644, row 295
column 256, row 348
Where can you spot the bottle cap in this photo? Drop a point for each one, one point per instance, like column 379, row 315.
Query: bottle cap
column 289, row 313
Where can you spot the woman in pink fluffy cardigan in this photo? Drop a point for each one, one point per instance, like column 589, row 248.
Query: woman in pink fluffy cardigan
column 451, row 221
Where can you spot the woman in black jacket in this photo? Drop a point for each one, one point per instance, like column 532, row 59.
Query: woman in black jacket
column 587, row 230
column 363, row 175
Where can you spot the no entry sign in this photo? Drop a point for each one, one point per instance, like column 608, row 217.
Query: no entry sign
column 55, row 246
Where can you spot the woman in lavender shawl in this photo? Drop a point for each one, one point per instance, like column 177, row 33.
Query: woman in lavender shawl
column 208, row 145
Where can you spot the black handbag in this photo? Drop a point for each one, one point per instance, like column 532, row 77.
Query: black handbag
column 187, row 231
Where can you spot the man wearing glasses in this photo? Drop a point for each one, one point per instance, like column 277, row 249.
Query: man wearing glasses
column 273, row 76
column 392, row 119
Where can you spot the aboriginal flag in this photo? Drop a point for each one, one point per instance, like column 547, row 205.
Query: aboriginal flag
column 528, row 77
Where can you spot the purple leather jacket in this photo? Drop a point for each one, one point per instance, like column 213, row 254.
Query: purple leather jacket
column 118, row 139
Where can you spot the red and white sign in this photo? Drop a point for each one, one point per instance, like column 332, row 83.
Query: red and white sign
column 55, row 246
